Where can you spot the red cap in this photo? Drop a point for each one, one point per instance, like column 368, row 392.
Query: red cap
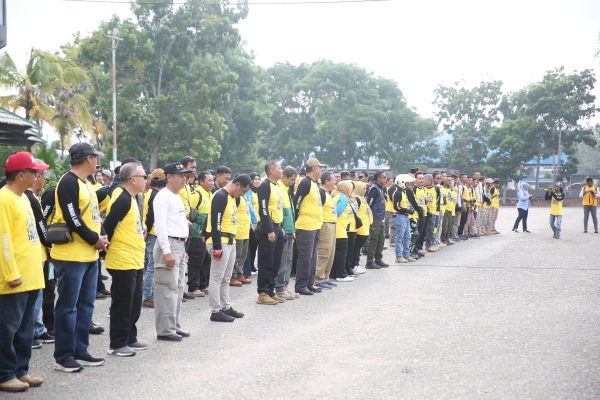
column 23, row 160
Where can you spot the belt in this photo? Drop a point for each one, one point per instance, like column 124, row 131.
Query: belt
column 329, row 223
column 277, row 225
column 229, row 236
column 178, row 238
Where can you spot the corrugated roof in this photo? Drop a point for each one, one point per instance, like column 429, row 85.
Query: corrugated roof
column 8, row 117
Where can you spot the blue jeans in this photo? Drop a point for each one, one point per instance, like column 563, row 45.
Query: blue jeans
column 402, row 235
column 77, row 282
column 555, row 223
column 38, row 326
column 16, row 333
column 149, row 268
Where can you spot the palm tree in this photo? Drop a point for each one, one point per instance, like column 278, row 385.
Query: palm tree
column 34, row 86
column 70, row 111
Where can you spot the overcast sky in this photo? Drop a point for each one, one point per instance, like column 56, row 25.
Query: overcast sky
column 419, row 44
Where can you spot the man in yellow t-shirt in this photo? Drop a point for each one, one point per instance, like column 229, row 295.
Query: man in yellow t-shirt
column 590, row 195
column 326, row 247
column 21, row 275
column 125, row 261
column 76, row 262
column 309, row 219
column 495, row 194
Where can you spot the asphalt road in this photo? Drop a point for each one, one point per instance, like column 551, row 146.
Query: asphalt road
column 506, row 316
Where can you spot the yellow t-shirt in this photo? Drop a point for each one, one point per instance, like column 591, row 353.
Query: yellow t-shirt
column 589, row 199
column 556, row 207
column 147, row 208
column 186, row 196
column 343, row 220
column 310, row 213
column 224, row 212
column 78, row 250
column 420, row 199
column 495, row 197
column 127, row 246
column 388, row 193
column 363, row 214
column 450, row 200
column 21, row 257
column 243, row 222
column 329, row 213
column 431, row 195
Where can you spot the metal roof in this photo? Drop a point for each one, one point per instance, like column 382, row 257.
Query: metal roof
column 18, row 131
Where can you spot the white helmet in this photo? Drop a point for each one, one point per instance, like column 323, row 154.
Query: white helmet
column 403, row 179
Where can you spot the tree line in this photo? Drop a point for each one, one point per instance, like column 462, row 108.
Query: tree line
column 186, row 85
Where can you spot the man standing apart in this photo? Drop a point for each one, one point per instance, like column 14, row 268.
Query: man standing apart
column 21, row 274
column 309, row 219
column 76, row 262
column 125, row 262
column 270, row 235
column 171, row 226
column 376, row 233
column 222, row 228
column 285, row 269
column 590, row 195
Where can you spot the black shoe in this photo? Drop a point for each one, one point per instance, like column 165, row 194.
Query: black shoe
column 103, row 277
column 382, row 264
column 89, row 361
column 183, row 333
column 233, row 313
column 387, row 236
column 104, row 292
column 36, row 345
column 68, row 366
column 45, row 338
column 187, row 296
column 449, row 243
column 475, row 236
column 305, row 292
column 221, row 317
column 100, row 296
column 372, row 266
column 526, row 230
column 96, row 329
column 51, row 332
column 170, row 338
column 315, row 289
column 364, row 253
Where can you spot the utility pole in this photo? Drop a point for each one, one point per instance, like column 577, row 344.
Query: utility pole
column 115, row 42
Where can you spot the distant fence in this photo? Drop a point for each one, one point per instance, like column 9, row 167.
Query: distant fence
column 572, row 198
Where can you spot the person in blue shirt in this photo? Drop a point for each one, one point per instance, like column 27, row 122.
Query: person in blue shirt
column 523, row 206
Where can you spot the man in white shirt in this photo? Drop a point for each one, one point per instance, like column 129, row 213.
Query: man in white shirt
column 170, row 259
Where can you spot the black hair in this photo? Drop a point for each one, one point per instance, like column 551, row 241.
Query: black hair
column 158, row 183
column 223, row 170
column 352, row 174
column 243, row 179
column 326, row 176
column 345, row 174
column 202, row 175
column 309, row 169
column 378, row 175
column 418, row 173
column 463, row 174
column 187, row 160
column 289, row 172
column 11, row 176
column 269, row 165
column 589, row 179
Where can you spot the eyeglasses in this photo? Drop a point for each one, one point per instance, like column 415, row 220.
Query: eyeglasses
column 139, row 176
column 36, row 173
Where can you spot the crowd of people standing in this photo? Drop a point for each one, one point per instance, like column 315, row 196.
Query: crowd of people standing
column 175, row 234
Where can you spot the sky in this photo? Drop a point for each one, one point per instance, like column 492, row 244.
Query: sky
column 419, row 43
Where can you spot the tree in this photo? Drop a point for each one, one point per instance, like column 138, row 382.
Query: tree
column 34, row 86
column 469, row 115
column 70, row 108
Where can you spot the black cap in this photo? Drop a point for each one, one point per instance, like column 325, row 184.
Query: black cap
column 174, row 168
column 80, row 150
column 496, row 180
column 415, row 170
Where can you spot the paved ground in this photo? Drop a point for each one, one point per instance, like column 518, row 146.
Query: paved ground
column 507, row 316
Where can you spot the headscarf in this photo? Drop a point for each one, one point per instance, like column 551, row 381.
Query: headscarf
column 359, row 190
column 523, row 185
column 253, row 175
column 345, row 188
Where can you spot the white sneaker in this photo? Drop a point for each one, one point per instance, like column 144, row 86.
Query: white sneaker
column 291, row 292
column 358, row 270
column 346, row 279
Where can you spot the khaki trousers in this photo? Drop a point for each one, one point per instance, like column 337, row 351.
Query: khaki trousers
column 325, row 252
column 168, row 288
column 494, row 218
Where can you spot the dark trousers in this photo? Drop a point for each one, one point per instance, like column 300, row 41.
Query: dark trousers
column 269, row 260
column 306, row 265
column 252, row 246
column 430, row 230
column 198, row 265
column 422, row 227
column 446, row 226
column 74, row 308
column 464, row 216
column 414, row 234
column 376, row 240
column 16, row 333
column 338, row 270
column 126, row 295
column 358, row 244
column 522, row 216
column 48, row 299
column 294, row 259
column 100, row 283
column 350, row 252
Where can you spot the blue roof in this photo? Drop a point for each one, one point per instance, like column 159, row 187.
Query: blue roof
column 548, row 160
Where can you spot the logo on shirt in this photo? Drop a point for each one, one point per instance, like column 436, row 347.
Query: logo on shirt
column 32, row 235
column 234, row 215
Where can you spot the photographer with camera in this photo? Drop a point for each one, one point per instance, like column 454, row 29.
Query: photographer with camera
column 590, row 195
column 556, row 198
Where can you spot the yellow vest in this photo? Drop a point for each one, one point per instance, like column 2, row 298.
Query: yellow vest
column 342, row 220
column 363, row 214
column 243, row 222
column 329, row 213
column 556, row 206
column 495, row 198
column 228, row 220
column 588, row 199
column 127, row 246
column 310, row 214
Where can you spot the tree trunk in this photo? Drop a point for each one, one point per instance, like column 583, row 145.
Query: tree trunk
column 559, row 153
column 504, row 191
column 62, row 146
column 154, row 154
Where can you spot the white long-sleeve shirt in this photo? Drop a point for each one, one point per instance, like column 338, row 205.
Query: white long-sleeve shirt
column 585, row 189
column 169, row 218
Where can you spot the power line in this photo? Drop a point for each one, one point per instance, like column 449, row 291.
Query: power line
column 219, row 4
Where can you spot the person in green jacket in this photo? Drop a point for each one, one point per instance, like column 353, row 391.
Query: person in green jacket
column 286, row 183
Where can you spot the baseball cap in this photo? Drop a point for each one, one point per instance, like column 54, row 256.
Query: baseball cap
column 80, row 150
column 496, row 180
column 174, row 168
column 313, row 162
column 558, row 184
column 489, row 180
column 23, row 160
column 302, row 171
column 158, row 175
column 415, row 170
column 106, row 172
